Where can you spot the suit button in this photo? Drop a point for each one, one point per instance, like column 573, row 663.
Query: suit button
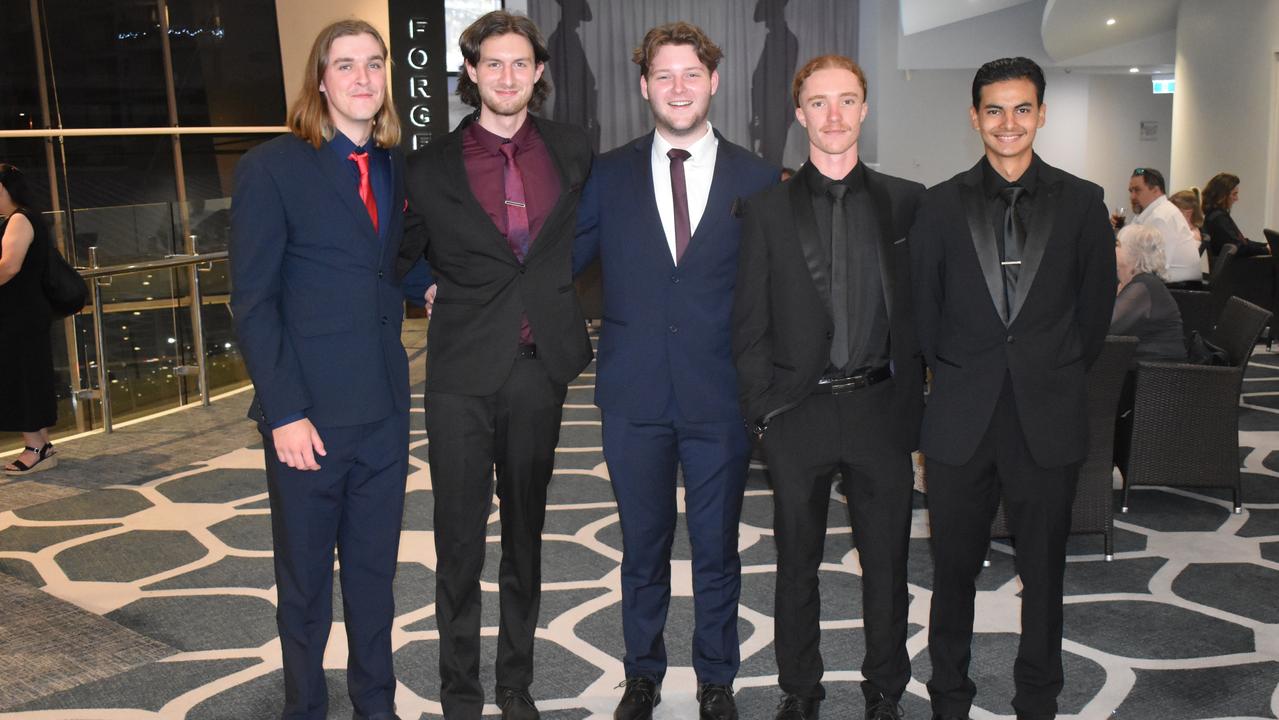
column 380, row 274
column 384, row 320
column 523, row 269
column 674, row 328
column 674, row 277
column 830, row 335
column 1010, row 339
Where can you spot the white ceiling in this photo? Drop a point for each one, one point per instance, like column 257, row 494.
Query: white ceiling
column 920, row 15
column 1074, row 33
column 1078, row 27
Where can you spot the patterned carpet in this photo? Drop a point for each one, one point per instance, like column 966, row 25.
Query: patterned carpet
column 1183, row 624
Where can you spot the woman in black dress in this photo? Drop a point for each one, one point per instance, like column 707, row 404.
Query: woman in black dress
column 1220, row 194
column 27, row 402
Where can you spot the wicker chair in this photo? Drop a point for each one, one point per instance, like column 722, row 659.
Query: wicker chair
column 1186, row 417
column 1201, row 308
column 1094, row 508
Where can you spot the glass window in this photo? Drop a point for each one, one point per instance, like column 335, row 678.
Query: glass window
column 19, row 97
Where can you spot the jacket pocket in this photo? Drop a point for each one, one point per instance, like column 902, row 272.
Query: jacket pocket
column 324, row 325
column 613, row 321
column 944, row 361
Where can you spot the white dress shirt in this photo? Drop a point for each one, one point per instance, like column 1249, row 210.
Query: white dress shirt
column 1180, row 244
column 699, row 170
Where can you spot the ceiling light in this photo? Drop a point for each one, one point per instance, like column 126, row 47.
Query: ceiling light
column 1110, row 21
column 1133, row 70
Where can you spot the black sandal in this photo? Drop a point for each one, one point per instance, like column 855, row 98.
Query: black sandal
column 46, row 459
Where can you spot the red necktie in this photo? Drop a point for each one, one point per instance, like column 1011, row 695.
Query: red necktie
column 366, row 187
column 679, row 190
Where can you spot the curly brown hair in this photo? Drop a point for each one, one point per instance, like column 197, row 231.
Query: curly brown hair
column 676, row 33
column 501, row 22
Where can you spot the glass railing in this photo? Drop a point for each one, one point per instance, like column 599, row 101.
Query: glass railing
column 139, row 339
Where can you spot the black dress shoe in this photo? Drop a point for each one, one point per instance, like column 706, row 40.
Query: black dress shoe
column 517, row 704
column 715, row 702
column 638, row 700
column 883, row 707
column 939, row 716
column 794, row 707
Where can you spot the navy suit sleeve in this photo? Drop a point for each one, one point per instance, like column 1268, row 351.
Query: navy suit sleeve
column 586, row 245
column 752, row 338
column 417, row 281
column 259, row 239
column 1098, row 278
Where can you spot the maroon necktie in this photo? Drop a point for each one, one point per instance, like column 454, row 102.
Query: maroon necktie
column 517, row 234
column 366, row 186
column 679, row 190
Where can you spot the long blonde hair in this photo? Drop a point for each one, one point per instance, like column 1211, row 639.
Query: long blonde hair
column 309, row 113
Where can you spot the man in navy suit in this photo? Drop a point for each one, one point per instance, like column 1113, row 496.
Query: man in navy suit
column 661, row 213
column 316, row 221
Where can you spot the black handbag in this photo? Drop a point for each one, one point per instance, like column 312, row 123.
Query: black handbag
column 65, row 290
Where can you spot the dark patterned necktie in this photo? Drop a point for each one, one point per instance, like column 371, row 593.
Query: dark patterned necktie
column 1010, row 248
column 679, row 191
column 517, row 232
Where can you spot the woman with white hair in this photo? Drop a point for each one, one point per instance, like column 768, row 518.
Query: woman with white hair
column 1144, row 307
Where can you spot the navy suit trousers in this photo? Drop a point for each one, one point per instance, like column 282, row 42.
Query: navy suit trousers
column 642, row 456
column 355, row 501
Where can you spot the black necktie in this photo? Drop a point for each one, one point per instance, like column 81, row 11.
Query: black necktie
column 1010, row 249
column 839, row 348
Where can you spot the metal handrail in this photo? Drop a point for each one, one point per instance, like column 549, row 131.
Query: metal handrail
column 169, row 261
column 97, row 277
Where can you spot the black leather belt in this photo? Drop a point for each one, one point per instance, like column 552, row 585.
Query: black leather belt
column 848, row 383
column 526, row 352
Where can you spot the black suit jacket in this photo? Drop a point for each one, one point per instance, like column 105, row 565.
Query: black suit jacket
column 782, row 327
column 1059, row 317
column 482, row 288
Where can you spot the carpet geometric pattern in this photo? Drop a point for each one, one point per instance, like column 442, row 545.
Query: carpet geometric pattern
column 1183, row 624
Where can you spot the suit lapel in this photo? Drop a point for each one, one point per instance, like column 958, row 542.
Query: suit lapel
column 810, row 240
column 1041, row 227
column 720, row 200
column 567, row 200
column 339, row 175
column 977, row 210
column 646, row 198
column 884, row 218
column 461, row 190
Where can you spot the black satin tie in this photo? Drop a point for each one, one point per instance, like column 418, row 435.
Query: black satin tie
column 1010, row 248
column 839, row 346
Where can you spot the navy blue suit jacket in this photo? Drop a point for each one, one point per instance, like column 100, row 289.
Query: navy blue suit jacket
column 666, row 328
column 316, row 301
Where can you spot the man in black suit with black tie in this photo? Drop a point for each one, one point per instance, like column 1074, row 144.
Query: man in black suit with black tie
column 830, row 377
column 497, row 200
column 1014, row 274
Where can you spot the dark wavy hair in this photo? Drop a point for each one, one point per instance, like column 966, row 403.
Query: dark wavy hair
column 500, row 22
column 1217, row 191
column 15, row 183
column 1015, row 68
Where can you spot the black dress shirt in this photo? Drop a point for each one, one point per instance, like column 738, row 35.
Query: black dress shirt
column 993, row 183
column 867, row 313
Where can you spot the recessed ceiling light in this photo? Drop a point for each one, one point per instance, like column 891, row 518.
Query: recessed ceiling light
column 1110, row 21
column 1133, row 70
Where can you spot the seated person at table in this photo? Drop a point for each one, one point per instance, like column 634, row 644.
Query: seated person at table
column 1190, row 204
column 1144, row 307
column 1219, row 196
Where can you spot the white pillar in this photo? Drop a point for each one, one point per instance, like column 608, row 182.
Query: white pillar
column 1225, row 115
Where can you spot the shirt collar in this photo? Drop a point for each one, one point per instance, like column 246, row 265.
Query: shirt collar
column 818, row 184
column 992, row 182
column 343, row 146
column 1150, row 209
column 700, row 152
column 492, row 142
